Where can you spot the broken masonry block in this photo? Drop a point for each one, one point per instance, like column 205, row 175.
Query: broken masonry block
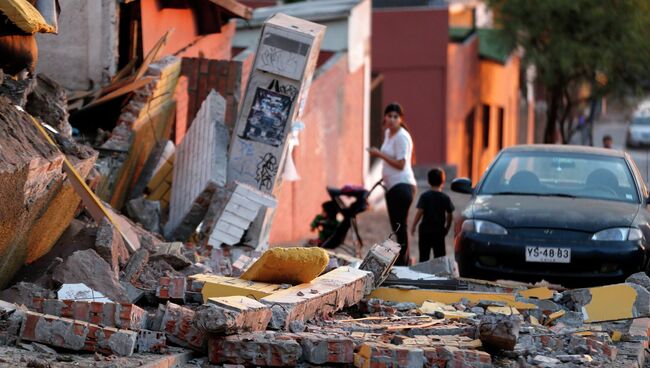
column 16, row 90
column 323, row 348
column 378, row 354
column 24, row 293
column 242, row 264
column 199, row 168
column 87, row 267
column 110, row 246
column 134, row 293
column 449, row 356
column 151, row 342
column 12, row 319
column 232, row 211
column 77, row 335
column 145, row 212
column 219, row 261
column 171, row 288
column 176, row 322
column 231, row 315
column 380, row 259
column 48, row 101
column 326, row 294
column 106, row 314
column 499, row 331
column 172, row 253
column 30, row 170
column 288, row 265
column 255, row 349
column 135, row 266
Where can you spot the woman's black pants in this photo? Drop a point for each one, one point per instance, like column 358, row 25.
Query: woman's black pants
column 398, row 202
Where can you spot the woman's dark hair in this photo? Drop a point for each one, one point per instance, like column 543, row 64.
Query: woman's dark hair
column 396, row 107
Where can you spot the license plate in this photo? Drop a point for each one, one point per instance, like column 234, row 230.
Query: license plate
column 548, row 255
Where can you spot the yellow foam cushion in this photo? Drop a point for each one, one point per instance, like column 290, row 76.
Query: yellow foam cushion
column 25, row 16
column 288, row 266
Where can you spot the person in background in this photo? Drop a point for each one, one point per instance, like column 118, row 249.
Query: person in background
column 435, row 209
column 397, row 174
column 608, row 141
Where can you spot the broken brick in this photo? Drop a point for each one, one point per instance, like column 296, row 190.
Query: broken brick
column 171, row 288
column 86, row 266
column 110, row 246
column 76, row 335
column 171, row 253
column 259, row 349
column 320, row 348
column 234, row 314
column 151, row 342
column 177, row 323
column 377, row 354
column 134, row 267
column 119, row 315
column 380, row 260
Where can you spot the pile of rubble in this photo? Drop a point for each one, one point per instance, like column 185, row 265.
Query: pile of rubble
column 343, row 315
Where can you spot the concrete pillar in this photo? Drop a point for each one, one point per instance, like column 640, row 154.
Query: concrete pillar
column 276, row 93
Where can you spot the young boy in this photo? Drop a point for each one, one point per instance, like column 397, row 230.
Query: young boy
column 435, row 210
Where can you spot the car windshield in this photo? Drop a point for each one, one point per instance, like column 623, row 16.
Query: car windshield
column 561, row 174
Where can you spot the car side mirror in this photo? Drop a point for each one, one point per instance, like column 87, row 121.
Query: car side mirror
column 462, row 185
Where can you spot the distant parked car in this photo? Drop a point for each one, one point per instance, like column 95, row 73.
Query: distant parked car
column 566, row 214
column 638, row 131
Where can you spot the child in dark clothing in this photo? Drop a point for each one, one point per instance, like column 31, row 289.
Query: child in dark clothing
column 325, row 222
column 435, row 210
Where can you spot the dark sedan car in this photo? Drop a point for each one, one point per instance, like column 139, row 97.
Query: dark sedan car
column 572, row 215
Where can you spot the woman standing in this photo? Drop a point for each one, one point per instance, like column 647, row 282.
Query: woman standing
column 397, row 174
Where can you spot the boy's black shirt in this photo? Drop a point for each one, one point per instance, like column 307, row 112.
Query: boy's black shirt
column 434, row 206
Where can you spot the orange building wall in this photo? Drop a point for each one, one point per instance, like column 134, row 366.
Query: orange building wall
column 184, row 39
column 462, row 97
column 499, row 87
column 412, row 57
column 330, row 150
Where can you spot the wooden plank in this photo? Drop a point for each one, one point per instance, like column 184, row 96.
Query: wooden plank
column 153, row 54
column 133, row 86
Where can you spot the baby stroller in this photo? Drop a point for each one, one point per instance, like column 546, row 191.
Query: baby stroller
column 359, row 195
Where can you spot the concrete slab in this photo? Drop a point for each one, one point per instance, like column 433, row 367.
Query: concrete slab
column 200, row 166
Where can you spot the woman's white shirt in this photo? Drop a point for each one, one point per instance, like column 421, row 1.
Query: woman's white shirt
column 399, row 146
